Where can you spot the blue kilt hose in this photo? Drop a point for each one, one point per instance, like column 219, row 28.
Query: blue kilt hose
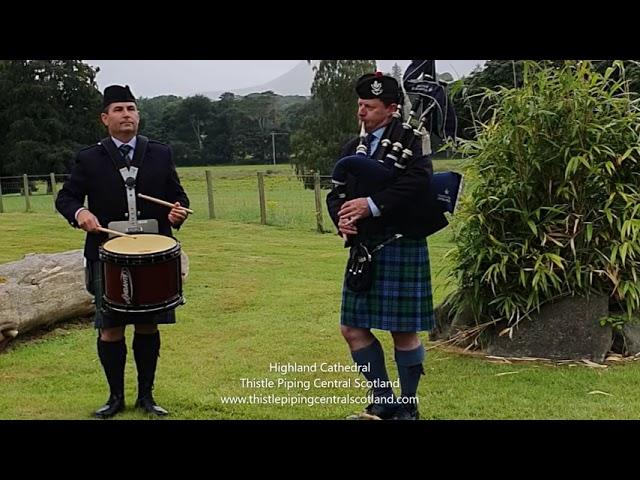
column 103, row 319
column 400, row 298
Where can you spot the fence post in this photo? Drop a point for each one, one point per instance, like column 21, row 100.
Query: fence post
column 316, row 187
column 25, row 181
column 212, row 212
column 53, row 190
column 1, row 206
column 263, row 206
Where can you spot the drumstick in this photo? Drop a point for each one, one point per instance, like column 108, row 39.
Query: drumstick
column 162, row 202
column 114, row 232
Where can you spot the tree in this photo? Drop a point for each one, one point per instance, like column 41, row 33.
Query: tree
column 189, row 124
column 261, row 111
column 396, row 72
column 152, row 112
column 329, row 120
column 48, row 110
column 474, row 108
column 234, row 129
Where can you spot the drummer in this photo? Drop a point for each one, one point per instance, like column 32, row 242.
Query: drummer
column 99, row 173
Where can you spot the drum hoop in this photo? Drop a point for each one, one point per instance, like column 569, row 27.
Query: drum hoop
column 177, row 243
column 151, row 308
column 137, row 259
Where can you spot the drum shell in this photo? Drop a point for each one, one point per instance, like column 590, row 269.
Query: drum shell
column 142, row 283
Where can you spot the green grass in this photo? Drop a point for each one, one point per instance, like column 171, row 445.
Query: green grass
column 262, row 294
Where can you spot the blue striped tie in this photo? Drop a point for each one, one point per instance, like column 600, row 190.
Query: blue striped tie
column 368, row 141
column 124, row 151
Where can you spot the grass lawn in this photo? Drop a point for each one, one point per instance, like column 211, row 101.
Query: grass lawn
column 259, row 295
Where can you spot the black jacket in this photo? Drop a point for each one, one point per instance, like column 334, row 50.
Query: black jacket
column 95, row 175
column 403, row 205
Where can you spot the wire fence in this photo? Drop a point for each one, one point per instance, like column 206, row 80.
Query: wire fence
column 285, row 200
column 274, row 196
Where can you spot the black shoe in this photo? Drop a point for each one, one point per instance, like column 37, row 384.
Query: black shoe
column 407, row 412
column 114, row 405
column 384, row 411
column 149, row 405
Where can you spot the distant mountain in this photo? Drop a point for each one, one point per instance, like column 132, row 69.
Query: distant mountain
column 296, row 81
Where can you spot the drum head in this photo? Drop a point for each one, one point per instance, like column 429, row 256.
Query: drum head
column 139, row 244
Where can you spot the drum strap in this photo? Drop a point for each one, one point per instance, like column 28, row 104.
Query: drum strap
column 129, row 176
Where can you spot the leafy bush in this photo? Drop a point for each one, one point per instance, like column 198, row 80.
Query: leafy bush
column 553, row 208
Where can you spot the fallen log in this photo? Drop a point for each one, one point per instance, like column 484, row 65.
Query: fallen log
column 40, row 290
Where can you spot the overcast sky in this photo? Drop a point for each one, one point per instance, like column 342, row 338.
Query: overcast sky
column 150, row 78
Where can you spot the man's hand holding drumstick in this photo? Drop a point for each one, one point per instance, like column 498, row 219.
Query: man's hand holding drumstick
column 87, row 221
column 178, row 213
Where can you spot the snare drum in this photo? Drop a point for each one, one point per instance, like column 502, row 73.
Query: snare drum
column 141, row 274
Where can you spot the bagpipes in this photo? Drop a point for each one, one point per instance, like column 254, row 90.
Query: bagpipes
column 431, row 112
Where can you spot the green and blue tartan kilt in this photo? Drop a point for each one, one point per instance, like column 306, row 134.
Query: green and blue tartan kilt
column 103, row 319
column 400, row 298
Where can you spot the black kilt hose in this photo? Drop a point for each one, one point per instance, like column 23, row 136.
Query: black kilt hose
column 400, row 298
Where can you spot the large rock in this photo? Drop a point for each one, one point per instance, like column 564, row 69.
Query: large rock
column 449, row 323
column 443, row 318
column 626, row 340
column 631, row 338
column 567, row 329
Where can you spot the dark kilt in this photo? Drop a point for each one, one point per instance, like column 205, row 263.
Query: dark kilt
column 109, row 320
column 400, row 299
